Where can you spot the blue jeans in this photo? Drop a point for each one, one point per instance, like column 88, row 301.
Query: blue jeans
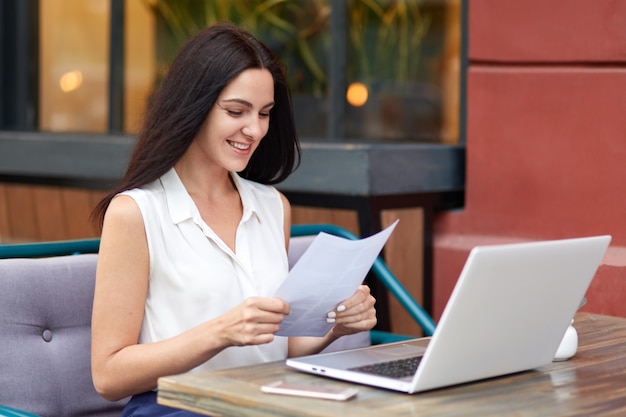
column 145, row 405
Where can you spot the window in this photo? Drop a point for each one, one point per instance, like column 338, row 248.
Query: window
column 75, row 54
column 359, row 70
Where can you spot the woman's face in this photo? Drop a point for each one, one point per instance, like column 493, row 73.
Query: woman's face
column 238, row 121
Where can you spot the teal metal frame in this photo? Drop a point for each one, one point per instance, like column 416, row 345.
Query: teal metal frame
column 13, row 412
column 44, row 249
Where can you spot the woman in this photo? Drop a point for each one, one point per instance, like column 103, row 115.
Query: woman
column 194, row 239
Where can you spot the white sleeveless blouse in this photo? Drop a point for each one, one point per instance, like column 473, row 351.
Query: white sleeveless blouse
column 195, row 277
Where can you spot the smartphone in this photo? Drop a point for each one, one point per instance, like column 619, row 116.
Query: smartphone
column 311, row 389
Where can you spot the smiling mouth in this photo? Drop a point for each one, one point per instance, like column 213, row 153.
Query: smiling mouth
column 240, row 146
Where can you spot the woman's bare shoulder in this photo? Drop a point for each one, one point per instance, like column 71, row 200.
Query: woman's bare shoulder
column 123, row 208
column 123, row 218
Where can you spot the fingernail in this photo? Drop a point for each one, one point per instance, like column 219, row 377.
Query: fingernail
column 329, row 320
column 331, row 314
column 341, row 308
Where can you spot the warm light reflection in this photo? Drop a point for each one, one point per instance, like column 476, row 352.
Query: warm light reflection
column 357, row 94
column 71, row 81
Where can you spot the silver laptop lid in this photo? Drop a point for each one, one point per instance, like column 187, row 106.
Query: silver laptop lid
column 509, row 309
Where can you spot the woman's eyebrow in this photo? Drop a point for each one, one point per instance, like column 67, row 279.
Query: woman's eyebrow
column 245, row 103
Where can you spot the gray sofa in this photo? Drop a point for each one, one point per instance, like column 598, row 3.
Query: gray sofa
column 45, row 337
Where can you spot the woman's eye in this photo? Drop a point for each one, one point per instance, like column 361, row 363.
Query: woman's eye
column 234, row 112
column 264, row 115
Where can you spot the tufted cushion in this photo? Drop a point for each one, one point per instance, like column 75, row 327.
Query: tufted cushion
column 45, row 337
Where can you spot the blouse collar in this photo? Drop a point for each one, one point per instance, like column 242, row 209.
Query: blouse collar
column 182, row 207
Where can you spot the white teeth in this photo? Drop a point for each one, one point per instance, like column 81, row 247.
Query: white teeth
column 239, row 145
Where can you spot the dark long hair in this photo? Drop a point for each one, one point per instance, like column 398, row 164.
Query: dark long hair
column 197, row 76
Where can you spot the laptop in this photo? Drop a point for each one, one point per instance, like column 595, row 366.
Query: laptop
column 508, row 313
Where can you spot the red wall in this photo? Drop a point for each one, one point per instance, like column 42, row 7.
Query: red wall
column 546, row 136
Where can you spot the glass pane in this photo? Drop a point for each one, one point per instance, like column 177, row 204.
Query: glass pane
column 402, row 70
column 139, row 61
column 74, row 53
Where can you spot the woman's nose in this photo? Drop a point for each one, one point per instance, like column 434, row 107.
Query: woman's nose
column 254, row 128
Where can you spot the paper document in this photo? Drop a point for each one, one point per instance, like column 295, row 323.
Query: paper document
column 329, row 272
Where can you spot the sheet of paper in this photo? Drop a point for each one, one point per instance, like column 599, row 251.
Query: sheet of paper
column 329, row 272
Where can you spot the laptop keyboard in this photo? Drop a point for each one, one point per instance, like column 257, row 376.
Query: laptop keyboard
column 399, row 368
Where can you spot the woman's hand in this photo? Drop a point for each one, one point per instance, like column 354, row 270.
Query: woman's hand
column 253, row 322
column 354, row 315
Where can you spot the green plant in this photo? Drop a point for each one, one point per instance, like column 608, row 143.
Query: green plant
column 385, row 35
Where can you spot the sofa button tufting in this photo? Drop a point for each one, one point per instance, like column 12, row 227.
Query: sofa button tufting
column 47, row 335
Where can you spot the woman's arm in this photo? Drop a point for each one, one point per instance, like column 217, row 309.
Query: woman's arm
column 120, row 365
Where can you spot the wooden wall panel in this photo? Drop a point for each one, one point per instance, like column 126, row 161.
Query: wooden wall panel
column 22, row 214
column 4, row 214
column 30, row 213
column 347, row 219
column 49, row 213
column 404, row 254
column 78, row 206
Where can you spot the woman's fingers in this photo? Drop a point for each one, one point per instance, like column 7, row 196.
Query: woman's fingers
column 255, row 320
column 357, row 312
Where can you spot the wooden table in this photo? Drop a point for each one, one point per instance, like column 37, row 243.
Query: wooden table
column 592, row 383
